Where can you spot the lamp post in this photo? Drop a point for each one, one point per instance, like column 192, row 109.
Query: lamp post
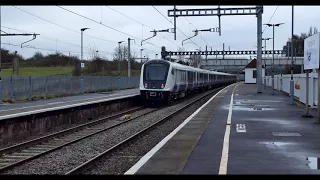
column 291, row 80
column 119, row 60
column 141, row 56
column 119, row 57
column 265, row 64
column 0, row 64
column 273, row 25
column 129, row 59
column 97, row 55
column 198, row 58
column 82, row 64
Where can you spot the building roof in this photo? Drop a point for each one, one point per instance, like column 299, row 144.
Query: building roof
column 253, row 64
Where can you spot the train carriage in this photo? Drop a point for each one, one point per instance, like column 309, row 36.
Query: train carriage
column 162, row 80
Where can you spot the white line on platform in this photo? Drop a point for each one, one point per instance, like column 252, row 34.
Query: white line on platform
column 55, row 103
column 147, row 156
column 225, row 149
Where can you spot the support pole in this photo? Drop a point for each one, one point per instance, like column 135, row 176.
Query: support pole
column 291, row 80
column 259, row 50
column 82, row 68
column 140, row 56
column 318, row 70
column 265, row 64
column 119, row 61
column 223, row 50
column 307, row 115
column 129, row 68
column 219, row 16
column 206, row 54
column 174, row 22
column 0, row 64
column 273, row 62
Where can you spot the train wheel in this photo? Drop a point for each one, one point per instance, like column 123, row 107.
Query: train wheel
column 166, row 101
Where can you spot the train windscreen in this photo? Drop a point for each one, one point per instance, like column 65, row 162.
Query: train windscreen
column 156, row 72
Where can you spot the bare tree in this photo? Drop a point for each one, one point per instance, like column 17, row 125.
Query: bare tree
column 315, row 30
column 193, row 60
column 310, row 31
column 120, row 53
column 94, row 53
column 298, row 42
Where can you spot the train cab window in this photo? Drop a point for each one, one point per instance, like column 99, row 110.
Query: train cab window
column 156, row 72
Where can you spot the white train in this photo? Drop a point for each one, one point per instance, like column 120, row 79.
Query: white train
column 163, row 80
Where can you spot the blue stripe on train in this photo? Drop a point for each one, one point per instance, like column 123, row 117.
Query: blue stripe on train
column 181, row 87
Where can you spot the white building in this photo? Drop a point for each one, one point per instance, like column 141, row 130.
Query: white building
column 250, row 72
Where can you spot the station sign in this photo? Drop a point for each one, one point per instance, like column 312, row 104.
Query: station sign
column 311, row 52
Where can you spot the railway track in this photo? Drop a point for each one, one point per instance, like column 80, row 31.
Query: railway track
column 91, row 163
column 17, row 154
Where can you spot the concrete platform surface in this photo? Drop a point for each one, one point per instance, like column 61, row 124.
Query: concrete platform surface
column 277, row 139
column 6, row 110
column 266, row 135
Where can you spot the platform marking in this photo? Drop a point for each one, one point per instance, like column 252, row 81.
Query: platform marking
column 285, row 134
column 147, row 156
column 55, row 103
column 241, row 128
column 225, row 148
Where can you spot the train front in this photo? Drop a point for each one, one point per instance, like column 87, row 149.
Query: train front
column 154, row 81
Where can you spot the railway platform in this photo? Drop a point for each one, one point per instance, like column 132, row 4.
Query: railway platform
column 239, row 132
column 32, row 107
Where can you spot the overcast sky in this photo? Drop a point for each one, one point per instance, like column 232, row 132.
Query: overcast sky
column 238, row 32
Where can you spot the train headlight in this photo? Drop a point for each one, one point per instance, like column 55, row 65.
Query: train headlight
column 162, row 86
column 145, row 85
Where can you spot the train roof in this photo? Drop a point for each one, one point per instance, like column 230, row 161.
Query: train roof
column 185, row 67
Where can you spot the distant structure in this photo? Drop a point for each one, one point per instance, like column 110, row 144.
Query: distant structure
column 251, row 72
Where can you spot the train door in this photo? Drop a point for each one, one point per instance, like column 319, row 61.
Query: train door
column 190, row 79
column 196, row 79
column 178, row 79
column 184, row 83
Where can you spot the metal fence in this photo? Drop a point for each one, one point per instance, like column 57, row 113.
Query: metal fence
column 28, row 87
column 282, row 83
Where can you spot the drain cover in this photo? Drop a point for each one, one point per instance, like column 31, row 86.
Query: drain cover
column 285, row 134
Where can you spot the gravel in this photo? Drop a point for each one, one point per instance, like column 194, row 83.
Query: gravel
column 123, row 159
column 54, row 130
column 68, row 157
